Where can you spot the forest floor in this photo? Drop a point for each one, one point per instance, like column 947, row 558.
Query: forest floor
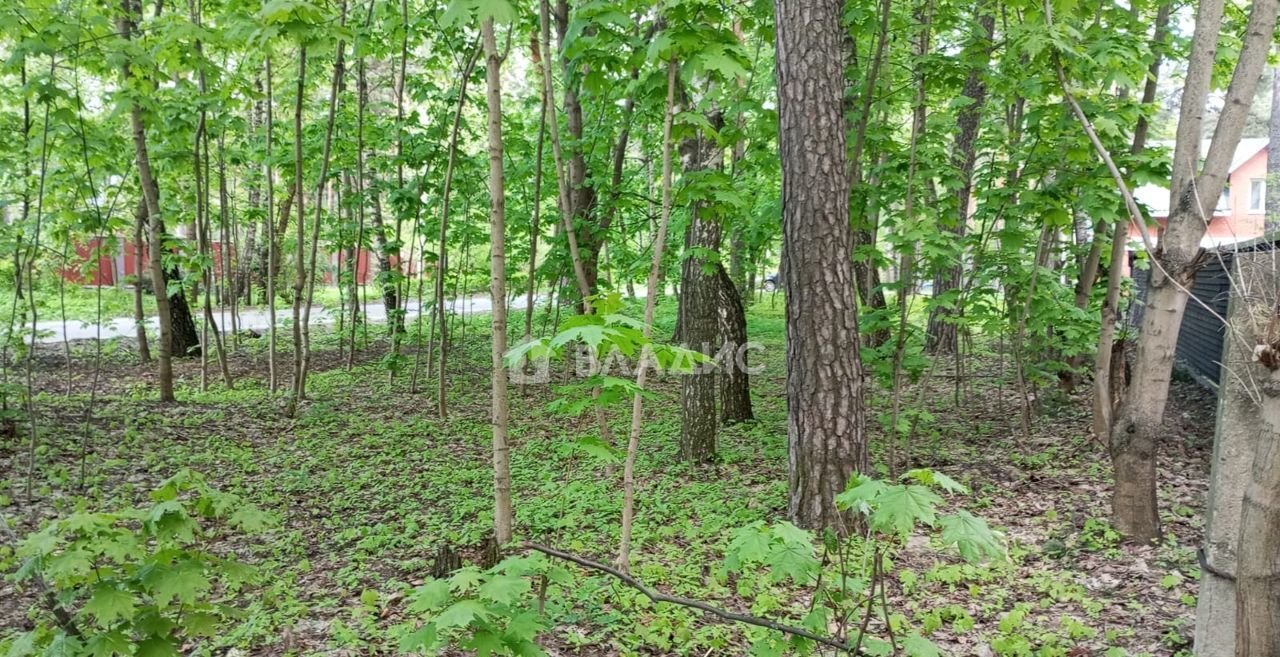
column 368, row 482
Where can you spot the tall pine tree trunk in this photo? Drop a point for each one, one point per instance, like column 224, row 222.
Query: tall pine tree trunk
column 826, row 438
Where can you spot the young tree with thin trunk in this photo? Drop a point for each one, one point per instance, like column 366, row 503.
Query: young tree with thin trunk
column 1107, row 371
column 303, row 359
column 1194, row 191
column 299, row 195
column 139, row 316
column 825, row 428
column 650, row 302
column 535, row 225
column 1271, row 224
column 130, row 9
column 500, row 411
column 272, row 242
column 442, row 255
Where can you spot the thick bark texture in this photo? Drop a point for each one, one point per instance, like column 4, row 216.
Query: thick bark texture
column 698, row 321
column 942, row 331
column 1137, row 427
column 735, row 380
column 825, row 426
column 186, row 341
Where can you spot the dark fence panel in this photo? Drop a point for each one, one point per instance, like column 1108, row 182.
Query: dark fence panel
column 1199, row 349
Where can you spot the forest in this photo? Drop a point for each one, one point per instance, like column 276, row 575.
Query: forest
column 622, row 328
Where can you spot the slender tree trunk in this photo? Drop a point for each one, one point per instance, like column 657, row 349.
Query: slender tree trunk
column 1271, row 225
column 1136, row 430
column 300, row 267
column 300, row 380
column 563, row 181
column 272, row 241
column 503, row 514
column 442, row 255
column 906, row 260
column 389, row 283
column 866, row 269
column 582, row 193
column 150, row 194
column 825, row 426
column 202, row 224
column 535, row 227
column 650, row 302
column 139, row 316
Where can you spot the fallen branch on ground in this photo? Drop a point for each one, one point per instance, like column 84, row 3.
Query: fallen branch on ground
column 686, row 602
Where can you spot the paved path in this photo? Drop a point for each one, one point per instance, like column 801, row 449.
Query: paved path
column 251, row 318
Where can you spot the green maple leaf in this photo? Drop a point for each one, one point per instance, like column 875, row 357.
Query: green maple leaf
column 523, row 627
column 792, row 535
column 485, row 643
column 184, row 582
column 792, row 560
column 108, row 644
column 201, row 623
column 466, row 579
column 461, row 613
column 430, row 596
column 899, row 508
column 420, row 639
column 156, row 647
column 504, row 588
column 69, row 565
column 971, row 536
column 861, row 496
column 526, row 649
column 109, row 604
column 750, row 544
column 917, row 646
column 500, row 11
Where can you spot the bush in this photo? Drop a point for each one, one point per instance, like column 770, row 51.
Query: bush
column 143, row 581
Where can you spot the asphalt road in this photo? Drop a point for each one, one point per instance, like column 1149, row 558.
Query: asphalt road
column 248, row 319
